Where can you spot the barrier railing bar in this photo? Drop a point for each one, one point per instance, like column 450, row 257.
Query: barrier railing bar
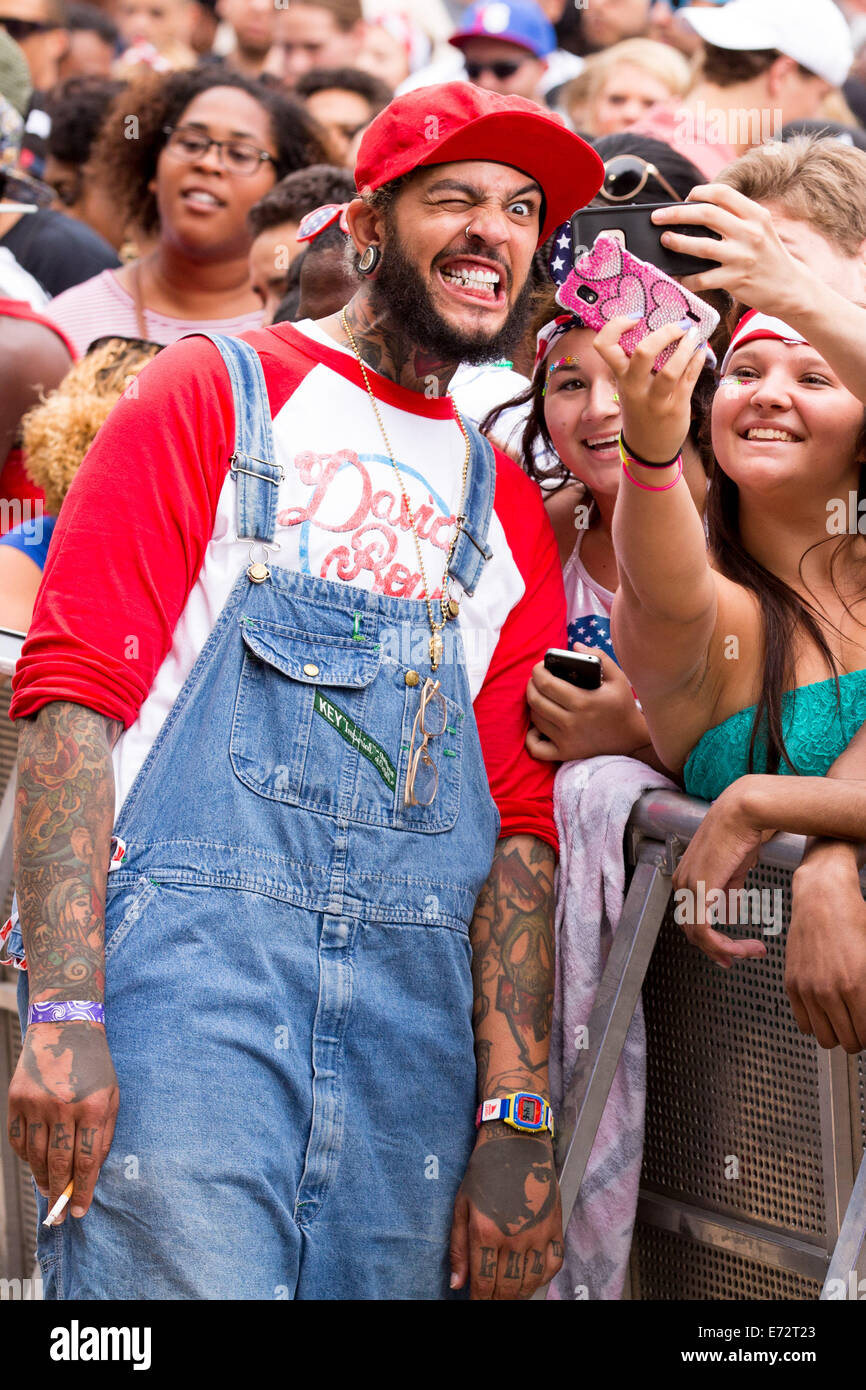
column 662, row 814
column 837, row 1147
column 615, row 1003
column 851, row 1236
column 764, row 1246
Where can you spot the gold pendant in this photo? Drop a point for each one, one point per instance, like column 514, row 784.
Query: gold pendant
column 435, row 650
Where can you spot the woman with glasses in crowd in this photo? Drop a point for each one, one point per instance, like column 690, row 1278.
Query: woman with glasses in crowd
column 200, row 150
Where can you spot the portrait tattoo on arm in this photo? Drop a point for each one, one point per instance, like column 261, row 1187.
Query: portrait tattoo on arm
column 513, row 957
column 513, row 1183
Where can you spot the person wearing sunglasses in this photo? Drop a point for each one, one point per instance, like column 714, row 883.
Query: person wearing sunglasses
column 210, row 145
column 38, row 27
column 505, row 47
column 638, row 169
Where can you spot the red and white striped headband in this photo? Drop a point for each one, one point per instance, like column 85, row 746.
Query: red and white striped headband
column 754, row 325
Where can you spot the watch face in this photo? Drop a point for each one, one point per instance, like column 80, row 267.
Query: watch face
column 528, row 1110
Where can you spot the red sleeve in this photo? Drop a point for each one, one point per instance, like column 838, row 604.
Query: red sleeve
column 130, row 539
column 521, row 786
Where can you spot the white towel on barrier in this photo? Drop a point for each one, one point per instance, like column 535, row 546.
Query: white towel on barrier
column 593, row 800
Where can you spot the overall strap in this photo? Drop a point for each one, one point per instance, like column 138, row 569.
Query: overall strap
column 471, row 550
column 253, row 468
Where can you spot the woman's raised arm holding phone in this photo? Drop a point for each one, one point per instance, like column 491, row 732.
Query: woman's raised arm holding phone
column 749, row 659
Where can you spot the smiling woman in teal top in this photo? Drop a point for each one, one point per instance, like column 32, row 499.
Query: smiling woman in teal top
column 749, row 660
column 818, row 722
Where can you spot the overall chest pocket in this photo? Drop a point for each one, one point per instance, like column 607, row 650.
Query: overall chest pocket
column 324, row 722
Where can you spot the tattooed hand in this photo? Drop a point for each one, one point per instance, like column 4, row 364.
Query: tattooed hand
column 62, row 1108
column 507, row 1230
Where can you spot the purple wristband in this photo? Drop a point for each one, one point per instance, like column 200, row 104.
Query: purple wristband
column 66, row 1011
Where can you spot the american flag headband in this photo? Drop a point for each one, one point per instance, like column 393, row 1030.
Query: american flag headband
column 754, row 325
column 550, row 334
column 320, row 218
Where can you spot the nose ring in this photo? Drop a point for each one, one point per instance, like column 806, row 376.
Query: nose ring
column 469, row 230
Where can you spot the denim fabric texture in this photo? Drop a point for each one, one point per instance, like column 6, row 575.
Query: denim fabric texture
column 288, row 988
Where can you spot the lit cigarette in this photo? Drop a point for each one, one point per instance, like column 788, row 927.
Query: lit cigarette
column 59, row 1205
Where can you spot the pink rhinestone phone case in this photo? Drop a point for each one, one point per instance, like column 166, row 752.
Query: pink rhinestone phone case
column 608, row 281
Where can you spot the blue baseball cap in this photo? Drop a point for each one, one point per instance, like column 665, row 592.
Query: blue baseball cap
column 520, row 22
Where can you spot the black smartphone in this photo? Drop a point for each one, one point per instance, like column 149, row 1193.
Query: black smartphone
column 632, row 224
column 578, row 668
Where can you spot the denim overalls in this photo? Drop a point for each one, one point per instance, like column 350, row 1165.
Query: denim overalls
column 288, row 990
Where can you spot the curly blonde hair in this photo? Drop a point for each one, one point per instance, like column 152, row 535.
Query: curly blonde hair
column 57, row 433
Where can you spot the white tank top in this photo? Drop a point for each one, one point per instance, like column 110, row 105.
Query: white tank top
column 588, row 605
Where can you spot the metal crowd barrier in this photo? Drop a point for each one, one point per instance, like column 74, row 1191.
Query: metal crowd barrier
column 753, row 1133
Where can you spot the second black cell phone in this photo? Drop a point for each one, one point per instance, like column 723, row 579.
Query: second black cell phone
column 632, row 223
column 578, row 668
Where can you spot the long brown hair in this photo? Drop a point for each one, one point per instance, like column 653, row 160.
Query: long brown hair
column 784, row 614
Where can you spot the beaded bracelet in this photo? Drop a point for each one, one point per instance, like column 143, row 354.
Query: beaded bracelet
column 628, row 455
column 646, row 487
column 66, row 1011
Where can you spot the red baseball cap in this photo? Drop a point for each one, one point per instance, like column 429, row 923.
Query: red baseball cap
column 456, row 120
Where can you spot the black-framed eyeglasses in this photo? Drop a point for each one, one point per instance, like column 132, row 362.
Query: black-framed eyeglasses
column 235, row 156
column 422, row 774
column 501, row 71
column 19, row 29
column 626, row 175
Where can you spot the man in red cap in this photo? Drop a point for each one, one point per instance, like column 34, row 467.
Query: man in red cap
column 286, row 674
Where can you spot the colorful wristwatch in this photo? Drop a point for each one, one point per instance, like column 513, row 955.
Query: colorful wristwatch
column 522, row 1110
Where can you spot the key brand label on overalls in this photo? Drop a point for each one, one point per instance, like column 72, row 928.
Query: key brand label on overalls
column 348, row 729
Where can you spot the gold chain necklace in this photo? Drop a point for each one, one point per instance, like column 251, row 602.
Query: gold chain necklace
column 450, row 606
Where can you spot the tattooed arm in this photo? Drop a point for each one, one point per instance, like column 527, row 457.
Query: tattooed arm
column 507, row 1232
column 63, row 1097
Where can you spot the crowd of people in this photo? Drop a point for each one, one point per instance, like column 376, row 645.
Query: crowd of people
column 290, row 751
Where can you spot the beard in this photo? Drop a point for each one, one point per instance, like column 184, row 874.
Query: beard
column 400, row 291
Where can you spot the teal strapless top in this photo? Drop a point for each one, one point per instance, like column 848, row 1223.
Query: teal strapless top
column 816, row 731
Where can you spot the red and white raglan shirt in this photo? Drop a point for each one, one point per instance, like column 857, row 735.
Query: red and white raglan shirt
column 145, row 552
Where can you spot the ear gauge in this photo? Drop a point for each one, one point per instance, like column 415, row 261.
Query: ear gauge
column 369, row 261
